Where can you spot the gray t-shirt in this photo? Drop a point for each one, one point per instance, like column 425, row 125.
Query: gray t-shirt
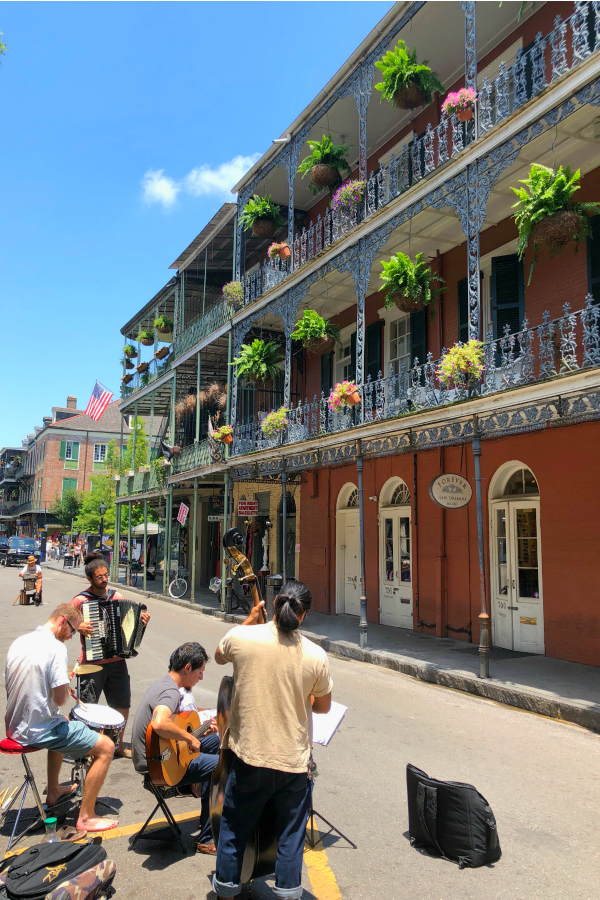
column 36, row 663
column 163, row 692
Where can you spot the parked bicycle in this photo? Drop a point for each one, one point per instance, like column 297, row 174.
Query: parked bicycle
column 178, row 586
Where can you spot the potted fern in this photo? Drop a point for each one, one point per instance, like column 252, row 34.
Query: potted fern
column 326, row 164
column 406, row 82
column 275, row 422
column 164, row 327
column 127, row 363
column 130, row 351
column 146, row 337
column 233, row 294
column 145, row 379
column 547, row 215
column 258, row 361
column 317, row 335
column 262, row 215
column 408, row 284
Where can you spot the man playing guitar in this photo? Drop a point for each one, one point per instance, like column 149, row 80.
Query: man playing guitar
column 157, row 708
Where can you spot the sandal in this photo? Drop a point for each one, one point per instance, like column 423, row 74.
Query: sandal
column 126, row 754
column 69, row 833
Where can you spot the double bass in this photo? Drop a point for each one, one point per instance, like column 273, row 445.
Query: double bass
column 261, row 850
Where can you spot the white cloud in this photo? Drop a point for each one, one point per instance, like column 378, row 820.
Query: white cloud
column 159, row 188
column 201, row 181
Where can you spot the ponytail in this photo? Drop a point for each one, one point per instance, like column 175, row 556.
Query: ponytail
column 294, row 599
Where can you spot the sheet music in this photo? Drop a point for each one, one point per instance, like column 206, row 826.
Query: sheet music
column 325, row 725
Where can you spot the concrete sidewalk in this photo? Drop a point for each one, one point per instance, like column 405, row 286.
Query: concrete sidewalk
column 549, row 687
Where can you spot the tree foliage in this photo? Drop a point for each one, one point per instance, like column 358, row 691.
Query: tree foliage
column 66, row 508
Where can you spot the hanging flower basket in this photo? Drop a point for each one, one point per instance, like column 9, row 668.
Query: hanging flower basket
column 461, row 359
column 410, row 97
column 126, row 379
column 407, row 304
column 345, row 393
column 460, row 103
column 129, row 364
column 224, row 434
column 160, row 354
column 465, row 114
column 263, row 228
column 323, row 175
column 279, row 250
column 275, row 422
column 320, row 346
column 142, row 367
column 555, row 231
column 130, row 351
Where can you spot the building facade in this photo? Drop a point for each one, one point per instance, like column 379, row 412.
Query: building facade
column 378, row 530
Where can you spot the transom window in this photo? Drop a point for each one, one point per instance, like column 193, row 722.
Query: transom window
column 353, row 499
column 521, row 482
column 400, row 343
column 99, row 452
column 401, row 496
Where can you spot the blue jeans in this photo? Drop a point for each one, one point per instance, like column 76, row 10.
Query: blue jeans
column 199, row 772
column 247, row 791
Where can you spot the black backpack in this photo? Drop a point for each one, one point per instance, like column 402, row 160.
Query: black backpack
column 452, row 818
column 33, row 873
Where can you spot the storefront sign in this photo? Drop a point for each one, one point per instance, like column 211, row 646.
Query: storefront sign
column 216, row 505
column 183, row 513
column 450, row 491
column 215, row 518
column 247, row 507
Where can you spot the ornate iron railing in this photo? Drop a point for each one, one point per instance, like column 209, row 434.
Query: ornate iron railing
column 205, row 325
column 555, row 348
column 192, row 457
column 140, row 482
column 568, row 44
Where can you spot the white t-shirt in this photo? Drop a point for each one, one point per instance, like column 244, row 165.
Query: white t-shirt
column 36, row 663
column 37, row 570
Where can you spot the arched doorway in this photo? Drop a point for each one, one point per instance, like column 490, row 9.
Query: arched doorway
column 348, row 552
column 395, row 561
column 516, row 560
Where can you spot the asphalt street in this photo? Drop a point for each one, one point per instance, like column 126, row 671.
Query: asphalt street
column 540, row 777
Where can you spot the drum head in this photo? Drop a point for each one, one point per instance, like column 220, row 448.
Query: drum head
column 94, row 715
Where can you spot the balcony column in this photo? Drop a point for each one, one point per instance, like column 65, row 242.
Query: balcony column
column 232, row 381
column 223, row 531
column 283, row 523
column 475, row 214
column 291, row 165
column 287, row 388
column 362, row 626
column 173, row 402
column 197, row 432
column 145, row 561
column 194, row 536
column 239, row 233
column 182, row 304
column 167, row 556
column 116, row 542
column 133, row 439
column 484, row 619
column 128, row 561
column 151, row 433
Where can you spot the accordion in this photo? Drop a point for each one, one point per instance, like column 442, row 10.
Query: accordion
column 118, row 628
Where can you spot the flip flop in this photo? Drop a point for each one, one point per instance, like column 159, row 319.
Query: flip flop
column 126, row 754
column 69, row 833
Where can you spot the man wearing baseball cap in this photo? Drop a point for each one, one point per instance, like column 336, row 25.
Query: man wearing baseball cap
column 30, row 569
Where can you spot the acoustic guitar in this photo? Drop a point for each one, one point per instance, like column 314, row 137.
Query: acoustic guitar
column 168, row 759
column 261, row 849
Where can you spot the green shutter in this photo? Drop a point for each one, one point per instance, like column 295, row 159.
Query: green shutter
column 69, row 484
column 463, row 310
column 593, row 260
column 327, row 373
column 75, row 451
column 508, row 294
column 62, row 451
column 374, row 339
column 418, row 337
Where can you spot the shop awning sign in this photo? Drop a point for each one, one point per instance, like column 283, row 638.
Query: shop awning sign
column 183, row 513
column 247, row 507
column 450, row 491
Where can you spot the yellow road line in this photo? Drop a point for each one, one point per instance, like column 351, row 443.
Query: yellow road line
column 322, row 879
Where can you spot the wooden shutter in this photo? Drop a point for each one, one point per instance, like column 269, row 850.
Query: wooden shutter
column 75, row 451
column 463, row 310
column 327, row 373
column 418, row 337
column 69, row 484
column 374, row 341
column 63, row 449
column 508, row 294
column 593, row 260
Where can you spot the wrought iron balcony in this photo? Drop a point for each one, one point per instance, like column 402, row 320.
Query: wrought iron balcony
column 570, row 43
column 157, row 368
column 552, row 350
column 202, row 327
column 141, row 482
column 193, row 457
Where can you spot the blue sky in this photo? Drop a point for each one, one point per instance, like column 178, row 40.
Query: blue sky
column 123, row 127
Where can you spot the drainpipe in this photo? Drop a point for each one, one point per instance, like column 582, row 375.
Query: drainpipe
column 362, row 632
column 145, row 569
column 116, row 543
column 484, row 619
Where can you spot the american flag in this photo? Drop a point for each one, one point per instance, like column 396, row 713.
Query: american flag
column 98, row 402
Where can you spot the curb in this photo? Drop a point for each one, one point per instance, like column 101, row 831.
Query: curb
column 586, row 715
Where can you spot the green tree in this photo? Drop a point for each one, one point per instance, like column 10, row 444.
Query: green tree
column 141, row 447
column 66, row 509
column 103, row 490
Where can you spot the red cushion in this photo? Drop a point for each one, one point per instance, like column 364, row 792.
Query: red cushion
column 9, row 746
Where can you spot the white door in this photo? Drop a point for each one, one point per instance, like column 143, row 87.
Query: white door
column 395, row 570
column 351, row 564
column 517, row 597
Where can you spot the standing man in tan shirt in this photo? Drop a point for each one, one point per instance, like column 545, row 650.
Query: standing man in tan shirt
column 280, row 679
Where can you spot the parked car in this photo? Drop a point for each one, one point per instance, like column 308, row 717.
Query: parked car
column 3, row 543
column 19, row 548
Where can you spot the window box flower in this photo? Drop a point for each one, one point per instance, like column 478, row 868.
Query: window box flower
column 224, row 434
column 345, row 393
column 275, row 422
column 460, row 103
column 461, row 359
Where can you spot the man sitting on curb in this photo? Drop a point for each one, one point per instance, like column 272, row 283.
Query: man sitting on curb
column 37, row 684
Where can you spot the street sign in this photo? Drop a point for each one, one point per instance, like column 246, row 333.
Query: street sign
column 247, row 507
column 182, row 514
column 450, row 491
column 215, row 518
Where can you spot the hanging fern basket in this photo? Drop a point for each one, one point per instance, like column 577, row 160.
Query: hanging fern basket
column 131, row 354
column 320, row 346
column 126, row 379
column 143, row 367
column 555, row 231
column 407, row 304
column 263, row 228
column 410, row 97
column 165, row 336
column 129, row 365
column 324, row 176
column 147, row 342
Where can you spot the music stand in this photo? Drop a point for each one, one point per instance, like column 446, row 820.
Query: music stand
column 310, row 840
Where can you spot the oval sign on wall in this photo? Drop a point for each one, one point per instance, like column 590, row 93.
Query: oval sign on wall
column 450, row 491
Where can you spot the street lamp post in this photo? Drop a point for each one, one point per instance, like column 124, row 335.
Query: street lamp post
column 102, row 511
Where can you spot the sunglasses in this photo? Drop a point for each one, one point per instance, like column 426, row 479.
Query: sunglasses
column 73, row 630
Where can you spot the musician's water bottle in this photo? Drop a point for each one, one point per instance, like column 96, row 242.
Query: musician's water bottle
column 51, row 836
